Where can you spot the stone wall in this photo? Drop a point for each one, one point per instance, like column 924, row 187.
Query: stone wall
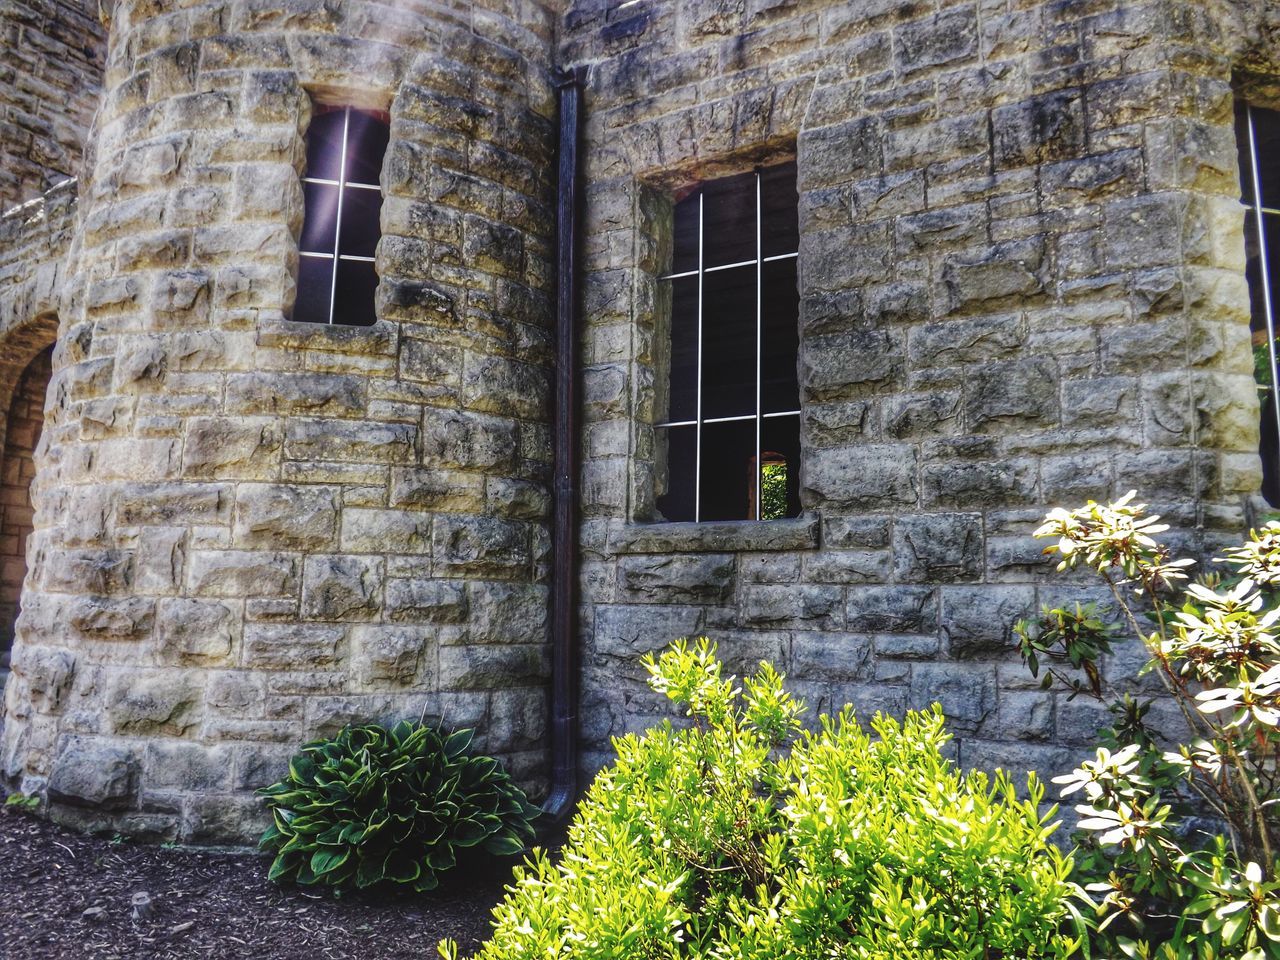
column 17, row 470
column 50, row 79
column 1022, row 285
column 250, row 531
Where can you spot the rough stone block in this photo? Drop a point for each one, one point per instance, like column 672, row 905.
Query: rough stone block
column 696, row 578
column 292, row 646
column 891, row 609
column 94, row 774
column 341, row 587
column 198, row 631
column 938, row 548
column 967, row 693
column 481, row 546
column 143, row 704
column 388, row 655
column 274, row 515
column 426, row 601
column 385, row 531
column 246, row 448
column 802, row 605
column 242, row 573
column 861, row 477
column 979, row 620
column 1014, row 394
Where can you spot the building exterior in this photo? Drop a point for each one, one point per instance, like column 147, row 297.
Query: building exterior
column 295, row 462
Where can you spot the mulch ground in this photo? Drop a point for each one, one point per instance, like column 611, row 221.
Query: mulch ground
column 65, row 896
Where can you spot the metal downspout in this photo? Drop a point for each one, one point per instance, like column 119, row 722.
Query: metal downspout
column 564, row 653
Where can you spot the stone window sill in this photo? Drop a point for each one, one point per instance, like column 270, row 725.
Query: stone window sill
column 380, row 338
column 798, row 533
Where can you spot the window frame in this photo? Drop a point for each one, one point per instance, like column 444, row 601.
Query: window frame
column 1252, row 186
column 342, row 184
column 667, row 279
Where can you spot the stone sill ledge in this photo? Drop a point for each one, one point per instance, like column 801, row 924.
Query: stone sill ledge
column 379, row 339
column 798, row 533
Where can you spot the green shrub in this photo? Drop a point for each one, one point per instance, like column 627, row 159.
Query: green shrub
column 743, row 837
column 1178, row 841
column 374, row 805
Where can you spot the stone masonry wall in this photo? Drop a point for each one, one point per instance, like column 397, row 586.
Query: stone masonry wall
column 1022, row 285
column 250, row 531
column 50, row 78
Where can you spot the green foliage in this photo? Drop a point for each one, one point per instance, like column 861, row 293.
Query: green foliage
column 20, row 801
column 374, row 805
column 773, row 491
column 1180, row 843
column 744, row 837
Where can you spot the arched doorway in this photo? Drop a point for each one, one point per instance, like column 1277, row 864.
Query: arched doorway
column 17, row 469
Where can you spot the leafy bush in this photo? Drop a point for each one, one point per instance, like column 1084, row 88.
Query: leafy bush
column 720, row 842
column 374, row 805
column 1180, row 843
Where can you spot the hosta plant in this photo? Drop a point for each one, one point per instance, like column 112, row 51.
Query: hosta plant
column 375, row 805
column 744, row 837
column 1178, row 840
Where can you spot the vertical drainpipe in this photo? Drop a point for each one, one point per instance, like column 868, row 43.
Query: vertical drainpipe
column 564, row 576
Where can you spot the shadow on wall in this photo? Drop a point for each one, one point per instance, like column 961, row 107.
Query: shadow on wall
column 17, row 470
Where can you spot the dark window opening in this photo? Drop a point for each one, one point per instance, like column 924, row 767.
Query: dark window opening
column 1258, row 139
column 341, row 222
column 730, row 437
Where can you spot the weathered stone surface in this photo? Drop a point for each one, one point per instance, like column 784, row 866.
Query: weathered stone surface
column 95, row 774
column 341, row 587
column 979, row 620
column 242, row 573
column 697, row 578
column 198, row 631
column 153, row 703
column 426, row 601
column 285, row 516
column 938, row 548
column 967, row 693
column 892, row 609
column 388, row 654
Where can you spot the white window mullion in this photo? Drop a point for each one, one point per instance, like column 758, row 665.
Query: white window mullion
column 759, row 470
column 337, row 223
column 697, row 453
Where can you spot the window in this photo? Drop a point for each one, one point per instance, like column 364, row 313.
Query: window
column 730, row 437
column 1258, row 138
column 340, row 227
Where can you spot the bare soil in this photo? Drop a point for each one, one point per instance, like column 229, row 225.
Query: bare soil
column 65, row 896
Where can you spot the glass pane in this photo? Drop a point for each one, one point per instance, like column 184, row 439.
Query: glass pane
column 684, row 254
column 684, row 350
column 779, row 213
column 728, row 470
column 315, row 283
column 1266, row 127
column 729, row 220
column 324, row 144
column 320, row 216
column 353, row 293
column 780, row 337
column 676, row 503
column 367, row 141
column 780, row 443
column 729, row 343
column 361, row 211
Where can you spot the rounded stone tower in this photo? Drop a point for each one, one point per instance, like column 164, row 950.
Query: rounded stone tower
column 251, row 530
